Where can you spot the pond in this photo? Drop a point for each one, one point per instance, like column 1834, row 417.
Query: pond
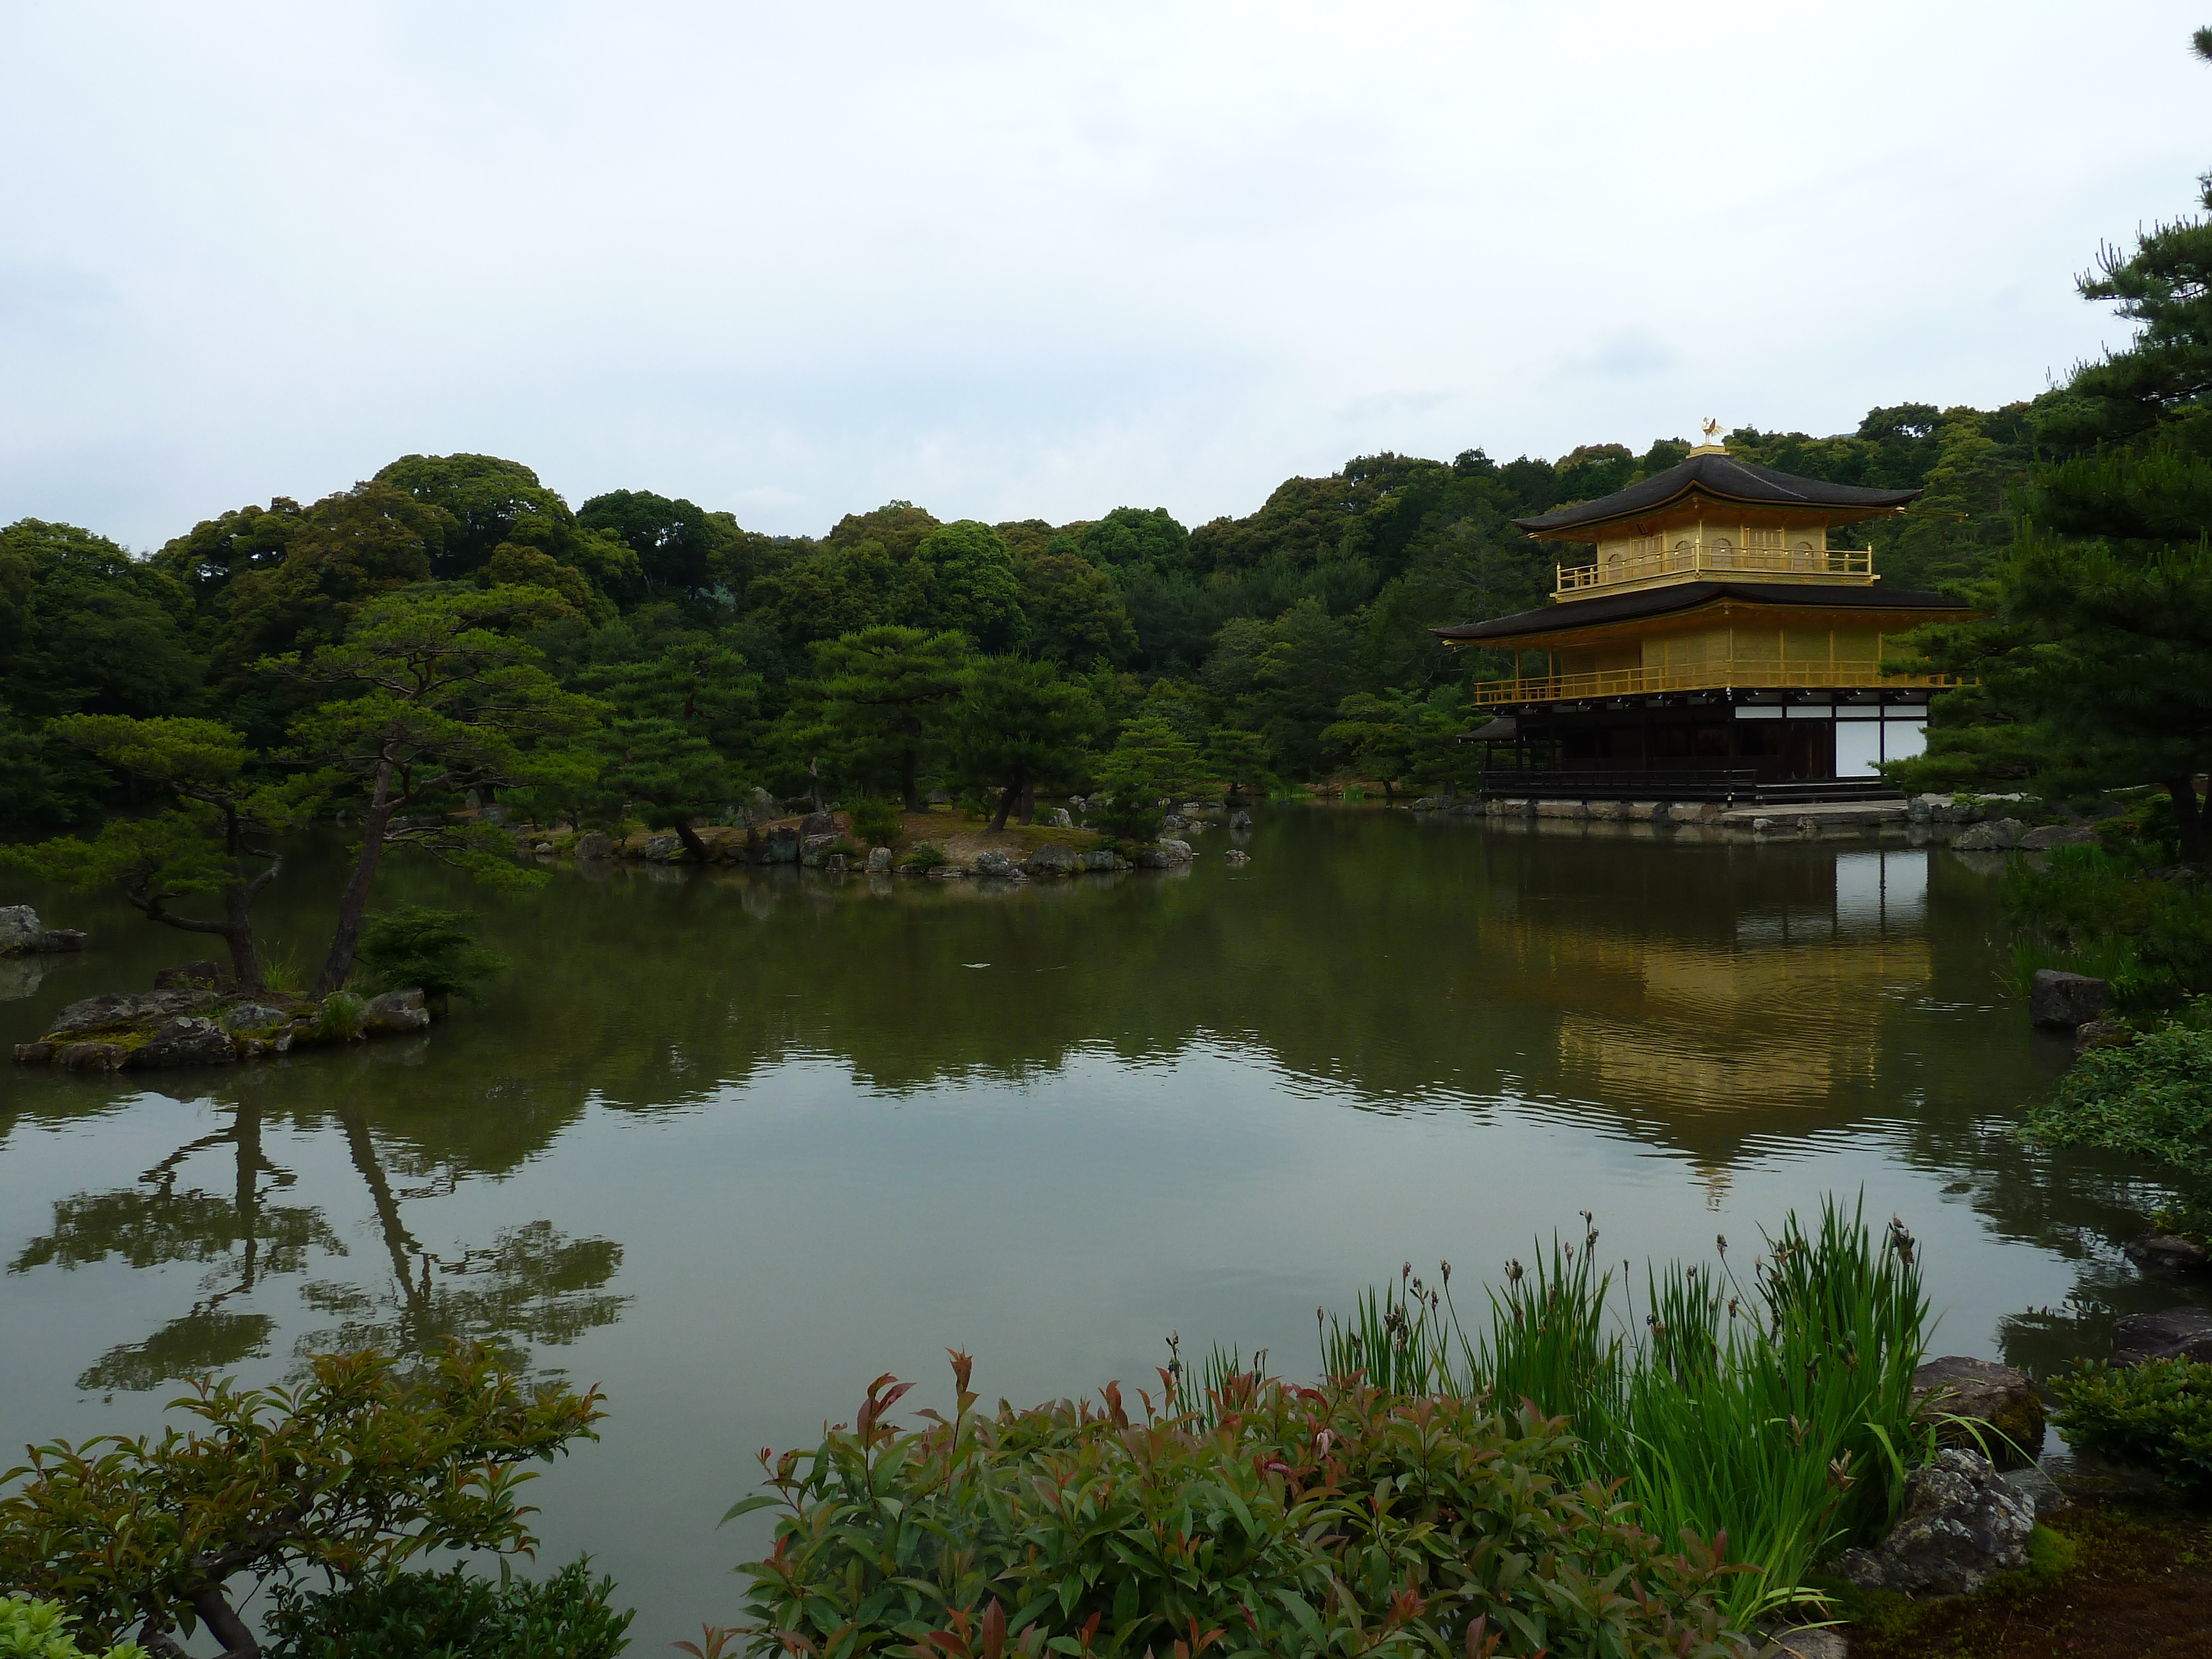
column 732, row 1142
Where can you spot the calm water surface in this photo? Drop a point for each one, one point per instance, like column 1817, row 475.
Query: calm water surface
column 732, row 1143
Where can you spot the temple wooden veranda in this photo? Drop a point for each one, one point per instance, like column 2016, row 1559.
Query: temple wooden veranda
column 1716, row 648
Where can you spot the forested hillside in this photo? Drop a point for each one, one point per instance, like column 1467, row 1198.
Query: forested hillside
column 1292, row 642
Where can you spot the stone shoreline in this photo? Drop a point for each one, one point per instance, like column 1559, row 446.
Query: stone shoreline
column 1981, row 824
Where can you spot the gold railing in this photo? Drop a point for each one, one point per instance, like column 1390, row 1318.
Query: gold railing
column 1728, row 675
column 1710, row 558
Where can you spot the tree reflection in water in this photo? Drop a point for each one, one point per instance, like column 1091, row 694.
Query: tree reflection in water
column 531, row 1284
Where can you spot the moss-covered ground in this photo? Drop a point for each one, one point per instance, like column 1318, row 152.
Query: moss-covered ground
column 2104, row 1582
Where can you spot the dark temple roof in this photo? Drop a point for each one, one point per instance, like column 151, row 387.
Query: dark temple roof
column 1686, row 596
column 1721, row 476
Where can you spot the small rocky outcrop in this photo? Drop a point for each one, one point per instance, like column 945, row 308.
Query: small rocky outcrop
column 1052, row 859
column 394, row 1014
column 1098, row 858
column 2172, row 1334
column 994, row 863
column 189, row 1039
column 2061, row 1002
column 19, row 929
column 879, row 858
column 2101, row 1034
column 780, row 845
column 1061, row 818
column 201, row 1025
column 1237, row 855
column 1166, row 854
column 819, row 824
column 1996, row 1399
column 1240, row 819
column 664, row 848
column 1962, row 1524
column 595, row 844
column 2168, row 1252
column 22, row 934
column 1994, row 835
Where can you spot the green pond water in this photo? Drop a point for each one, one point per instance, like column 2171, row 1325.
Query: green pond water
column 732, row 1143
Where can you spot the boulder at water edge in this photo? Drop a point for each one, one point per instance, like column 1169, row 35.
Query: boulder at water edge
column 879, row 858
column 1052, row 859
column 1962, row 1524
column 597, row 844
column 123, row 1008
column 994, row 863
column 395, row 1013
column 2059, row 1001
column 2173, row 1334
column 2000, row 1401
column 1240, row 819
column 2169, row 1251
column 19, row 929
column 190, row 1040
column 1997, row 835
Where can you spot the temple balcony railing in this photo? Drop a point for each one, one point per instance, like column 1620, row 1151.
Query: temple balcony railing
column 1738, row 674
column 1691, row 561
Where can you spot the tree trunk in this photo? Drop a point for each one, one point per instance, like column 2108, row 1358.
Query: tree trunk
column 353, row 903
column 689, row 837
column 1006, row 799
column 910, row 788
column 238, row 933
column 1029, row 802
column 2189, row 815
column 223, row 1623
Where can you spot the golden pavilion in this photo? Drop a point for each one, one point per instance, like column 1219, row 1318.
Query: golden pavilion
column 1716, row 648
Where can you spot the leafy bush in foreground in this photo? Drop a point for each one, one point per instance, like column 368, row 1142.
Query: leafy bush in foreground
column 2152, row 1098
column 1278, row 1521
column 40, row 1630
column 352, row 1473
column 2156, row 1415
column 451, row 1615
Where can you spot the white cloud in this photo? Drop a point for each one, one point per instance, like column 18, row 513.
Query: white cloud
column 1011, row 260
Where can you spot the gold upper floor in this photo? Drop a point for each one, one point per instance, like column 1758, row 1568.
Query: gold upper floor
column 1705, row 549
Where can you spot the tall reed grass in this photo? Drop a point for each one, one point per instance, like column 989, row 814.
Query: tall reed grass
column 1778, row 1412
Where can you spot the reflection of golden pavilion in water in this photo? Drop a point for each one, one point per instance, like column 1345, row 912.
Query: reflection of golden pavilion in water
column 1786, row 1016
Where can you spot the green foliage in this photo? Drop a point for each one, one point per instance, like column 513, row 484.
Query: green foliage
column 1150, row 762
column 84, row 626
column 338, row 1017
column 431, row 951
column 877, row 822
column 673, row 540
column 1279, row 1521
column 31, row 1629
column 2101, row 910
column 1242, row 761
column 353, row 1473
column 431, row 695
column 2156, row 1415
column 886, row 702
column 1018, row 727
column 2152, row 1098
column 1779, row 1414
column 2094, row 659
column 217, row 837
column 451, row 1615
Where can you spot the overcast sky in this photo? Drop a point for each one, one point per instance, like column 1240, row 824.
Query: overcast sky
column 1030, row 259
